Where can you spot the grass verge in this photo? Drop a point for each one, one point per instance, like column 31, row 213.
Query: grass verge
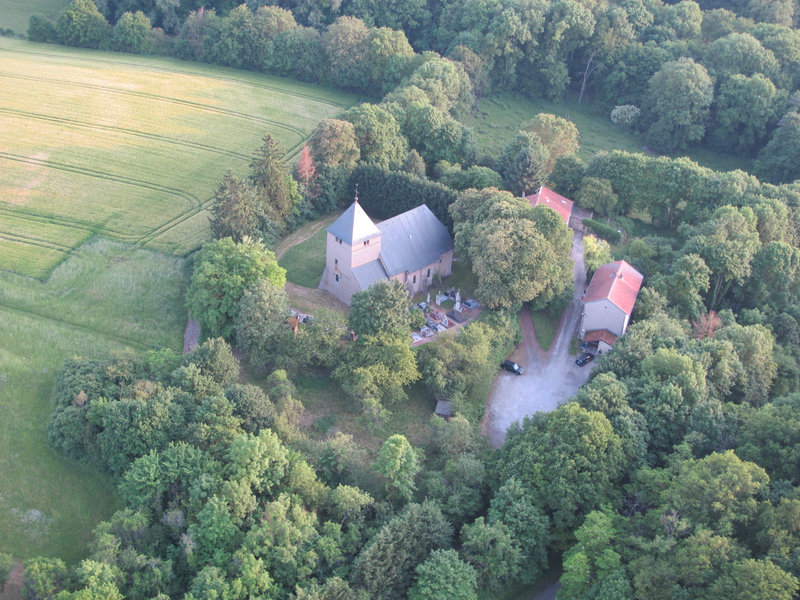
column 305, row 262
column 14, row 14
column 545, row 323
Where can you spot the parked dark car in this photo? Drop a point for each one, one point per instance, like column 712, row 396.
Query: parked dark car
column 510, row 365
column 584, row 358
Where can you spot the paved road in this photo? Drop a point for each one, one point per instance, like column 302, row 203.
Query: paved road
column 550, row 377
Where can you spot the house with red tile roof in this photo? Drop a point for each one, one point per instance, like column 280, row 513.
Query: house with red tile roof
column 548, row 198
column 608, row 303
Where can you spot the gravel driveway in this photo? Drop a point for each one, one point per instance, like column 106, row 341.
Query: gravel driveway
column 551, row 377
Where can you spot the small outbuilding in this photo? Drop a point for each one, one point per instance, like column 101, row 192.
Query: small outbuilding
column 444, row 408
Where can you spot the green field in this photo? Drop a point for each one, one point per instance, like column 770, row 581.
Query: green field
column 14, row 14
column 130, row 148
column 497, row 118
column 105, row 158
column 107, row 297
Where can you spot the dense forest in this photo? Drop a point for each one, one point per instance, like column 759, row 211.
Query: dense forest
column 672, row 474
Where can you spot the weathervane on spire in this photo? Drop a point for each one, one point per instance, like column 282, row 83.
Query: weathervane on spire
column 356, row 192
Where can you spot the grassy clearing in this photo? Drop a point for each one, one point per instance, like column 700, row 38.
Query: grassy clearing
column 545, row 323
column 328, row 407
column 462, row 278
column 497, row 119
column 104, row 298
column 14, row 14
column 305, row 262
column 130, row 148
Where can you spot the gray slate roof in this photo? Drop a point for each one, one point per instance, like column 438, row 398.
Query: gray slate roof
column 412, row 240
column 353, row 225
column 369, row 274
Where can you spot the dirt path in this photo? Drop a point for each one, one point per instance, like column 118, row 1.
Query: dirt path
column 550, row 377
column 191, row 337
column 12, row 590
column 307, row 300
column 546, row 591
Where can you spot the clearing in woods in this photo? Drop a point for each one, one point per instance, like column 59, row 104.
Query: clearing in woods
column 129, row 148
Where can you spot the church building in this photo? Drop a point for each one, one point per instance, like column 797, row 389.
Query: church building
column 412, row 247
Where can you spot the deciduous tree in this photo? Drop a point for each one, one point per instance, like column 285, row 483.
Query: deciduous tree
column 262, row 324
column 131, row 33
column 223, row 270
column 444, row 576
column 493, row 551
column 558, row 135
column 677, row 105
column 333, row 143
column 399, row 462
column 381, row 308
column 568, row 460
column 81, row 24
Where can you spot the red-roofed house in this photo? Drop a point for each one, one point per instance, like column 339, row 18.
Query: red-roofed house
column 608, row 303
column 546, row 197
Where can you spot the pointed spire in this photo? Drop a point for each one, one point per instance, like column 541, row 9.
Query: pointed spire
column 354, row 225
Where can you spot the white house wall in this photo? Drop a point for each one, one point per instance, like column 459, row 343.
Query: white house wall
column 603, row 314
column 338, row 257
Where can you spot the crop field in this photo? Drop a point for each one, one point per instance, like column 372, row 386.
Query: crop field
column 129, row 148
column 108, row 163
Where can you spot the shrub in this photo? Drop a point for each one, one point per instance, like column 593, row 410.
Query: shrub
column 604, row 231
column 41, row 29
column 6, row 562
column 625, row 115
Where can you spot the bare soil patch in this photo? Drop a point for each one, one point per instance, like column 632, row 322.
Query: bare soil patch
column 12, row 589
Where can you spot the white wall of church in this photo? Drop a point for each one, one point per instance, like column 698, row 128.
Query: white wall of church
column 422, row 279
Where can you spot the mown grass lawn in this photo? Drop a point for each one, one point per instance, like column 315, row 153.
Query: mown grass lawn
column 105, row 298
column 305, row 262
column 497, row 118
column 129, row 147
